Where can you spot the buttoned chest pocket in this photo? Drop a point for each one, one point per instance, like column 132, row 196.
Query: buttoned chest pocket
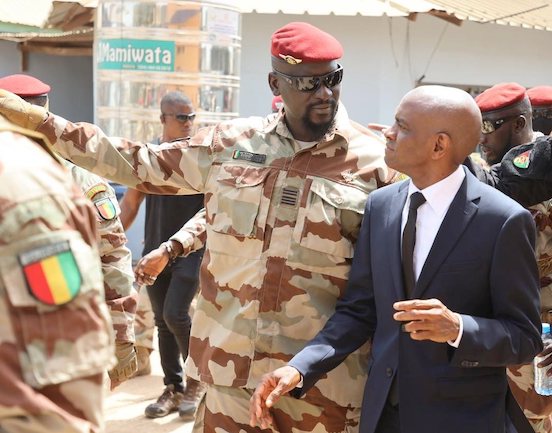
column 328, row 221
column 239, row 208
column 60, row 323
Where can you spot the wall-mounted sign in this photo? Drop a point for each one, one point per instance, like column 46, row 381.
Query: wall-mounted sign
column 136, row 55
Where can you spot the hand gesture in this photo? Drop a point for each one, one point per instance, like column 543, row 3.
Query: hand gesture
column 267, row 393
column 427, row 319
column 150, row 266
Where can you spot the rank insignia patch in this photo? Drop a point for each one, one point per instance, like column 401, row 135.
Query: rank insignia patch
column 96, row 189
column 51, row 272
column 522, row 160
column 106, row 208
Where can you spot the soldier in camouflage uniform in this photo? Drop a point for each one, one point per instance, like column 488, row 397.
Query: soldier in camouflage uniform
column 55, row 330
column 510, row 101
column 115, row 256
column 284, row 200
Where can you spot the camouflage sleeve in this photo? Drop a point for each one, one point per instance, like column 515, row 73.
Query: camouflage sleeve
column 55, row 329
column 179, row 167
column 120, row 295
column 193, row 234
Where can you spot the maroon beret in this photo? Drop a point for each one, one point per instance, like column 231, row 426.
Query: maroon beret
column 540, row 96
column 500, row 96
column 301, row 42
column 24, row 85
column 277, row 102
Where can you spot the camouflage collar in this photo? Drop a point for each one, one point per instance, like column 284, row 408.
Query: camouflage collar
column 275, row 122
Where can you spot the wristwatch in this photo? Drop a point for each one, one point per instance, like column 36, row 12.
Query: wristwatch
column 173, row 255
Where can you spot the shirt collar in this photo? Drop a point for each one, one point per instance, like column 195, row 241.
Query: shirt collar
column 439, row 196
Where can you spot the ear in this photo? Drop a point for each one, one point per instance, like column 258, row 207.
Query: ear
column 441, row 145
column 520, row 123
column 273, row 83
column 162, row 119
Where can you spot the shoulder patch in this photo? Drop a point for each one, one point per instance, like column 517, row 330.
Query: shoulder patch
column 107, row 208
column 100, row 187
column 51, row 273
column 522, row 160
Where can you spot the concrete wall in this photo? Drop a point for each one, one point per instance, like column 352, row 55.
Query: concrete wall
column 69, row 77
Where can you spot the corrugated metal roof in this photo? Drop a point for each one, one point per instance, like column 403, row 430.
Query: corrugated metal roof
column 536, row 14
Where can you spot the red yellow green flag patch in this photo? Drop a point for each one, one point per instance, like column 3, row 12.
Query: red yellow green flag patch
column 522, row 160
column 51, row 272
column 106, row 208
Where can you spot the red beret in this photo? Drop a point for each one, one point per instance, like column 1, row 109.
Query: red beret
column 277, row 102
column 500, row 96
column 24, row 85
column 301, row 42
column 540, row 96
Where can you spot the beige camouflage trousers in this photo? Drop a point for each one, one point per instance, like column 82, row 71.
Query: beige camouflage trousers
column 226, row 409
column 144, row 324
column 535, row 406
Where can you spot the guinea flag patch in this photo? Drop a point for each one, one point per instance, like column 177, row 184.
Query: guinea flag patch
column 522, row 160
column 51, row 272
column 106, row 208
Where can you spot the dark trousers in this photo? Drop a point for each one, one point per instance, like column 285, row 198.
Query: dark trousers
column 389, row 421
column 171, row 296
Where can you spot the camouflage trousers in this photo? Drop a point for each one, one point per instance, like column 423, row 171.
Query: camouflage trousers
column 537, row 408
column 224, row 408
column 144, row 324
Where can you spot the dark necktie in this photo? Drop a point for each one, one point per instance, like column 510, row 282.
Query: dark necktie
column 408, row 242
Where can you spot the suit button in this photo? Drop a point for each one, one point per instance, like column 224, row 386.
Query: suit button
column 389, row 372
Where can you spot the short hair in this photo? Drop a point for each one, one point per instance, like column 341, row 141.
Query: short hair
column 175, row 97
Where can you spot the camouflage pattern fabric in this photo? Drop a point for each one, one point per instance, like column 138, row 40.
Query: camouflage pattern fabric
column 281, row 229
column 537, row 408
column 56, row 338
column 120, row 295
column 227, row 408
column 193, row 235
column 144, row 325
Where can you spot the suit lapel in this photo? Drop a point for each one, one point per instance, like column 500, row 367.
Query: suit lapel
column 460, row 213
column 393, row 235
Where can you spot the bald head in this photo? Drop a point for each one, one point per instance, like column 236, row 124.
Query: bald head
column 451, row 111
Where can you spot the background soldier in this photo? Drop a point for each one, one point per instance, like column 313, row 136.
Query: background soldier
column 507, row 128
column 115, row 256
column 55, row 330
column 284, row 198
column 541, row 103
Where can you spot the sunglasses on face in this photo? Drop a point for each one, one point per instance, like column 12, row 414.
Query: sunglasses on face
column 489, row 126
column 542, row 113
column 312, row 84
column 182, row 118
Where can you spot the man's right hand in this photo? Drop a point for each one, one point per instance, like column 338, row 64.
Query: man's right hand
column 267, row 393
column 20, row 112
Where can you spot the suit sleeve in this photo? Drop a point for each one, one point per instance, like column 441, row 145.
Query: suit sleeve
column 512, row 335
column 353, row 322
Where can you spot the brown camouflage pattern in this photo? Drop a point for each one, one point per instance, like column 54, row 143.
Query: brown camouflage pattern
column 225, row 409
column 120, row 295
column 193, row 235
column 537, row 408
column 280, row 234
column 52, row 358
column 144, row 324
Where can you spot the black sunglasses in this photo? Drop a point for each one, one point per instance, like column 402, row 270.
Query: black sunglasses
column 542, row 113
column 488, row 126
column 182, row 117
column 312, row 84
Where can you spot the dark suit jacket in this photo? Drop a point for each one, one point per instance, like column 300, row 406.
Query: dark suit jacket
column 481, row 265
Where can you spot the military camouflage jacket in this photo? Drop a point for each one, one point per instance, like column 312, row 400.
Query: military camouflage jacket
column 281, row 227
column 193, row 235
column 120, row 295
column 55, row 330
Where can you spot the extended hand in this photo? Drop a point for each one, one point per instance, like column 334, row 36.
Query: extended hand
column 267, row 393
column 127, row 363
column 20, row 112
column 150, row 266
column 547, row 355
column 427, row 319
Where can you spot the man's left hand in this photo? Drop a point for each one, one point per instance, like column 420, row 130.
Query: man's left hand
column 427, row 319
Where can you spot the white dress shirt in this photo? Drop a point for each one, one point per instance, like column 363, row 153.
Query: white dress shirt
column 438, row 197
